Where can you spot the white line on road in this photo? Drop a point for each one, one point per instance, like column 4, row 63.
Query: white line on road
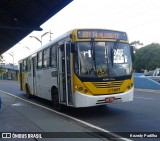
column 70, row 117
column 147, row 90
column 143, row 98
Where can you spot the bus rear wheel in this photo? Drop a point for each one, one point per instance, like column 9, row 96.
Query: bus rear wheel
column 55, row 100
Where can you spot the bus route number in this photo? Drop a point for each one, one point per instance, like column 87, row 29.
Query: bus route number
column 101, row 73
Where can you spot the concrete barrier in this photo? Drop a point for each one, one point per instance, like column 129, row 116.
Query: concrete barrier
column 142, row 82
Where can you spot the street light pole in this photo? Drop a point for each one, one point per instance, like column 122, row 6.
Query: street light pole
column 36, row 39
column 12, row 54
column 27, row 47
column 40, row 40
column 24, row 46
column 50, row 37
column 43, row 35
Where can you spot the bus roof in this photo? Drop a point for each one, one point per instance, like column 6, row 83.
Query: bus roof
column 91, row 31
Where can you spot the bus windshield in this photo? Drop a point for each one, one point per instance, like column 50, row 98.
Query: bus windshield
column 103, row 59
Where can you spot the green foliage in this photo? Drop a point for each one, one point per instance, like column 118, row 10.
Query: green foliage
column 147, row 58
column 135, row 44
column 1, row 60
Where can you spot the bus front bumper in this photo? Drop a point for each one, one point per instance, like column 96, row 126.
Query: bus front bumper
column 83, row 100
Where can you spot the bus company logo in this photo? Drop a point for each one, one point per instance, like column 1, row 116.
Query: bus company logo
column 6, row 135
column 106, row 79
column 109, row 84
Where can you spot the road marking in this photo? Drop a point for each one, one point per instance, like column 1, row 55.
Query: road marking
column 147, row 90
column 70, row 117
column 144, row 98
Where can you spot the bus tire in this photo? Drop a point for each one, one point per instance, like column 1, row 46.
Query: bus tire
column 29, row 96
column 55, row 100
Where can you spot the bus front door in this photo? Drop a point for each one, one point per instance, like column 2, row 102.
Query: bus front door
column 64, row 74
column 20, row 76
column 34, row 75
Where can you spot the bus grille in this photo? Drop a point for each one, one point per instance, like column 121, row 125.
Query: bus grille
column 107, row 84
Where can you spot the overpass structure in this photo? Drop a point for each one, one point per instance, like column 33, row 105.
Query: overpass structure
column 18, row 18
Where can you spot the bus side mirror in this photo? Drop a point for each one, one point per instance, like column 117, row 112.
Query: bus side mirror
column 132, row 52
column 73, row 47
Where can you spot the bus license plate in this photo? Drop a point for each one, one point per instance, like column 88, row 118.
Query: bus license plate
column 109, row 99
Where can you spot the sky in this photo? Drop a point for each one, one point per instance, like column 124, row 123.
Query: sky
column 139, row 18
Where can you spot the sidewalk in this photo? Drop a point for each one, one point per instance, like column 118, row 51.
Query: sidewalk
column 19, row 116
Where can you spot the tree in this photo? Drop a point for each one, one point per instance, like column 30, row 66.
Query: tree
column 1, row 58
column 135, row 44
column 147, row 57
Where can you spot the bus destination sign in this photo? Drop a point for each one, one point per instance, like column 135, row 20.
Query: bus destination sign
column 101, row 34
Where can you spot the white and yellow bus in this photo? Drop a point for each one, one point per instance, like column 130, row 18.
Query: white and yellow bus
column 82, row 68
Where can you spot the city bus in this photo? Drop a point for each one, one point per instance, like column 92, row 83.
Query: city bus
column 81, row 68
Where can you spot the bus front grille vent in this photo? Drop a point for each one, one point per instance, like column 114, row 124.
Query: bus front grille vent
column 107, row 84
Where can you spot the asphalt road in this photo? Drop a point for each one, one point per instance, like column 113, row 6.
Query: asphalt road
column 141, row 115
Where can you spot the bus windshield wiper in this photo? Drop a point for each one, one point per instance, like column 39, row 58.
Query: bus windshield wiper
column 93, row 52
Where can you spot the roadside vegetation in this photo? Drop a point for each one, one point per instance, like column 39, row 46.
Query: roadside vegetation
column 146, row 57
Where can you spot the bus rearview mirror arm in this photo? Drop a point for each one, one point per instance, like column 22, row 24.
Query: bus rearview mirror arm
column 73, row 47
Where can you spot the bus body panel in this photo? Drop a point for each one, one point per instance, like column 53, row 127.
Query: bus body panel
column 44, row 82
column 23, row 81
column 82, row 100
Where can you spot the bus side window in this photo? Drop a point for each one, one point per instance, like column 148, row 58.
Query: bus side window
column 24, row 65
column 46, row 58
column 53, row 56
column 28, row 64
column 39, row 60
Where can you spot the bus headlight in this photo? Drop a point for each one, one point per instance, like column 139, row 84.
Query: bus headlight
column 128, row 87
column 80, row 89
column 85, row 90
